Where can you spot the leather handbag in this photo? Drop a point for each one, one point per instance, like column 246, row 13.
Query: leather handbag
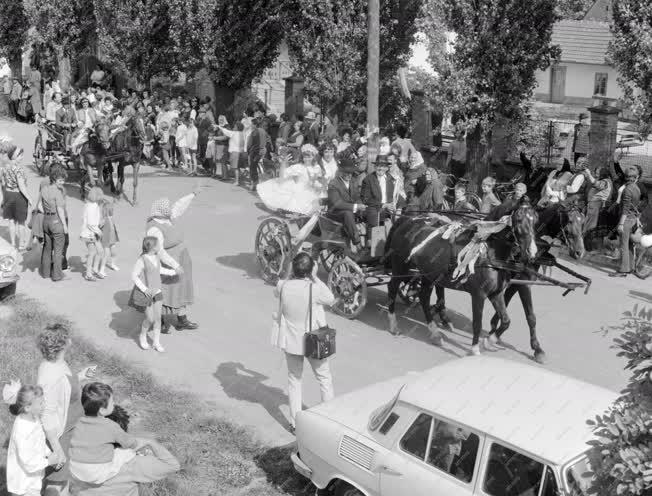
column 320, row 343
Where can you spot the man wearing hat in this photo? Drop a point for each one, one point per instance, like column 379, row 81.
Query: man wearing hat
column 86, row 116
column 66, row 120
column 581, row 138
column 378, row 193
column 344, row 201
column 575, row 191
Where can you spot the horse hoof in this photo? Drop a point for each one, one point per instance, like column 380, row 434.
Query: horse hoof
column 496, row 341
column 540, row 357
column 436, row 338
column 393, row 327
column 475, row 350
column 446, row 325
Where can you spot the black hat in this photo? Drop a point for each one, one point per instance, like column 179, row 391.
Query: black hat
column 347, row 165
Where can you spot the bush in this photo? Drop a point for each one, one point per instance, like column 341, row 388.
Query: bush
column 622, row 457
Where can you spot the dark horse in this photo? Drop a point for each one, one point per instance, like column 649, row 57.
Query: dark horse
column 556, row 222
column 102, row 149
column 436, row 261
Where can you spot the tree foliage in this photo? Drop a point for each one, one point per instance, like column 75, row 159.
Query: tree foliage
column 236, row 40
column 134, row 35
column 631, row 53
column 14, row 26
column 573, row 9
column 328, row 47
column 622, row 457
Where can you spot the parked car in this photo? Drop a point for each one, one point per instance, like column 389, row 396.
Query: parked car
column 8, row 269
column 474, row 426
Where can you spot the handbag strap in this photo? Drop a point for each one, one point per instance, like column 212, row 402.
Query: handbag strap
column 310, row 309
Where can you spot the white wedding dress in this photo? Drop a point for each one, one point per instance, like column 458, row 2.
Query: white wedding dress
column 298, row 190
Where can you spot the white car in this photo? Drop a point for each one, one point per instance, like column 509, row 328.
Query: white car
column 8, row 269
column 473, row 426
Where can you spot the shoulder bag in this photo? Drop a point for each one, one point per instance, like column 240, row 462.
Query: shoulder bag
column 320, row 343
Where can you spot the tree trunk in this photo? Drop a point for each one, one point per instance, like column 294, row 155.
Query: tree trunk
column 16, row 66
column 477, row 159
column 65, row 72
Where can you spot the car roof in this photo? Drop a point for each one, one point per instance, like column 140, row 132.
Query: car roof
column 531, row 408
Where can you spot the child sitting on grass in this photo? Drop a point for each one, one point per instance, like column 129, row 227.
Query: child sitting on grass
column 27, row 454
column 489, row 199
column 94, row 457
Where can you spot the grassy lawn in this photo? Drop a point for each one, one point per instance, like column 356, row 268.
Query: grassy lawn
column 217, row 457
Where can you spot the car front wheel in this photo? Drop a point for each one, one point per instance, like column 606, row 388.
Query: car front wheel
column 344, row 489
column 7, row 291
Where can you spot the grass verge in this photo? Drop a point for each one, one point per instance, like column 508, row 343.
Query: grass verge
column 216, row 456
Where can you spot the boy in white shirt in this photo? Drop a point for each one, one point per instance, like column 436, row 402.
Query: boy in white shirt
column 181, row 142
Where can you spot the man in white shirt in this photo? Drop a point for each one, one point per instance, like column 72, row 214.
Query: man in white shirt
column 378, row 193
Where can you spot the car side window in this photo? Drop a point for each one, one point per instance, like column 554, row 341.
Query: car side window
column 550, row 487
column 454, row 450
column 415, row 440
column 511, row 474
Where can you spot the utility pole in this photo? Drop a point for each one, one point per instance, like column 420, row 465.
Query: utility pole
column 373, row 83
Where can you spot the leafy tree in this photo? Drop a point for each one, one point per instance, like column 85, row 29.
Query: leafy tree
column 236, row 40
column 573, row 9
column 14, row 27
column 328, row 47
column 68, row 26
column 134, row 35
column 622, row 457
column 490, row 74
column 631, row 53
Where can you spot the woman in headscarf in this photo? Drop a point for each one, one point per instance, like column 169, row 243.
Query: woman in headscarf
column 177, row 290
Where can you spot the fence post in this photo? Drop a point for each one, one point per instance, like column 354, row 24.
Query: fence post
column 551, row 142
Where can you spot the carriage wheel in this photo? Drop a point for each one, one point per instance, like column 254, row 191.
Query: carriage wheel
column 39, row 154
column 348, row 283
column 644, row 264
column 329, row 257
column 273, row 248
column 409, row 290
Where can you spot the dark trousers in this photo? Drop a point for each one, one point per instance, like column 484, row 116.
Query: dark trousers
column 375, row 215
column 626, row 252
column 347, row 217
column 253, row 167
column 174, row 156
column 458, row 169
column 53, row 248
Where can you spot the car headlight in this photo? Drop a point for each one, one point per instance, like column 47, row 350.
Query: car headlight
column 7, row 263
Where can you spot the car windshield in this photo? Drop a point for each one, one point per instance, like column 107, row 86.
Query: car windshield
column 579, row 476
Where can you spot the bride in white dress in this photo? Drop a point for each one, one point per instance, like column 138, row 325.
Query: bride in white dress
column 300, row 186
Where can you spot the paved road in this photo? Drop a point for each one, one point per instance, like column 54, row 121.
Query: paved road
column 229, row 361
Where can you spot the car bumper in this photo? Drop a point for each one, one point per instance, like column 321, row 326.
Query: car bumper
column 8, row 280
column 301, row 467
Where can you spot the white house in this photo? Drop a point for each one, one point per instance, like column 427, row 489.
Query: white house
column 270, row 89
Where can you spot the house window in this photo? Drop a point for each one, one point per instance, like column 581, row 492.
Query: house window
column 600, row 86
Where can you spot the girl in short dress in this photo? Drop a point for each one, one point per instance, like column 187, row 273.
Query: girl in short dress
column 91, row 233
column 109, row 237
column 146, row 295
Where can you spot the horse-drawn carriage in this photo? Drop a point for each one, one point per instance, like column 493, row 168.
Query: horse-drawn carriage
column 51, row 150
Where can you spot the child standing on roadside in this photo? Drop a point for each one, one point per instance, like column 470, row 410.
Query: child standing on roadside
column 28, row 454
column 182, row 144
column 91, row 233
column 109, row 237
column 192, row 138
column 146, row 295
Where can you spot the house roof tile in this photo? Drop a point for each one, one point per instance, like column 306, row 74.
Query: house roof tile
column 582, row 41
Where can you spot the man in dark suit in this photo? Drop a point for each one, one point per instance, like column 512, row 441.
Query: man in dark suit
column 256, row 147
column 344, row 202
column 66, row 121
column 378, row 193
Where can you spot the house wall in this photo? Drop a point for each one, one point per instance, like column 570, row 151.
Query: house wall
column 580, row 80
column 271, row 87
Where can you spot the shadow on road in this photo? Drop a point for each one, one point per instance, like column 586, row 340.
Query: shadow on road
column 243, row 384
column 245, row 262
column 126, row 321
column 639, row 295
column 276, row 464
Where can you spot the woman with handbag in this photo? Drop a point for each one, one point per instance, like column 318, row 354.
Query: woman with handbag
column 301, row 319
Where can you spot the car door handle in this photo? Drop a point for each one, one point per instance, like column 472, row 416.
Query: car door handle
column 390, row 471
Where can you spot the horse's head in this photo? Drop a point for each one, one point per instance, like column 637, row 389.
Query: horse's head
column 524, row 220
column 573, row 234
column 103, row 133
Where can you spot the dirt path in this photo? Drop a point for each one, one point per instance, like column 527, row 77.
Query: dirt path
column 229, row 360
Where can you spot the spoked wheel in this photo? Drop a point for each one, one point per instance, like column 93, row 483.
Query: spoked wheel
column 644, row 264
column 273, row 249
column 409, row 290
column 349, row 285
column 329, row 256
column 39, row 154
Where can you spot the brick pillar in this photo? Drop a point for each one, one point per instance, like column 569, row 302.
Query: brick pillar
column 602, row 137
column 294, row 96
column 421, row 127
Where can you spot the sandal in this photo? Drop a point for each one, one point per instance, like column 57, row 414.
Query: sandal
column 89, row 278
